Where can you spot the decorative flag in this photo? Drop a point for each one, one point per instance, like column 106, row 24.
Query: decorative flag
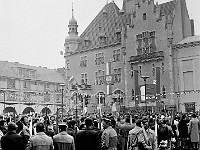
column 31, row 126
column 114, row 107
column 156, row 130
column 136, row 87
column 108, row 77
column 71, row 79
column 158, row 83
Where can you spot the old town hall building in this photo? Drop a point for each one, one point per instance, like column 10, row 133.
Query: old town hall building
column 125, row 55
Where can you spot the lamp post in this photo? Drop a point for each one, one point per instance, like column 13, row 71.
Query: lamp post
column 62, row 85
column 145, row 84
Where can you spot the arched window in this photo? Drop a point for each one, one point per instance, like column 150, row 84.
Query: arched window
column 100, row 98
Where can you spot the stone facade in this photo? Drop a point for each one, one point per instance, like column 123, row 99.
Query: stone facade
column 27, row 88
column 138, row 37
column 186, row 71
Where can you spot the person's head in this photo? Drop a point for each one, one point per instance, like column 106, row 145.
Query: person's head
column 194, row 115
column 127, row 120
column 95, row 123
column 106, row 122
column 40, row 127
column 1, row 117
column 145, row 123
column 113, row 122
column 183, row 117
column 24, row 120
column 19, row 126
column 12, row 126
column 3, row 123
column 62, row 127
column 71, row 124
column 139, row 123
column 88, row 122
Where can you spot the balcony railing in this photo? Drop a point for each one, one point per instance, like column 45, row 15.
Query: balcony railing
column 81, row 87
column 147, row 57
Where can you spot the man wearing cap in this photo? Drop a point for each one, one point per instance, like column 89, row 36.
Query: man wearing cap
column 63, row 141
column 12, row 140
column 40, row 141
column 109, row 136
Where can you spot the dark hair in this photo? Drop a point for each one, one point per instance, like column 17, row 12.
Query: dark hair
column 194, row 115
column 71, row 123
column 22, row 119
column 2, row 123
column 113, row 122
column 40, row 127
column 19, row 126
column 88, row 122
column 12, row 126
column 138, row 123
column 127, row 120
column 183, row 116
column 62, row 128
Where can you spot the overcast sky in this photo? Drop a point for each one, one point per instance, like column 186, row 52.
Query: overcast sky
column 32, row 32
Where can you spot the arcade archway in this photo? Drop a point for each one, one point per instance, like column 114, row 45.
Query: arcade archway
column 27, row 110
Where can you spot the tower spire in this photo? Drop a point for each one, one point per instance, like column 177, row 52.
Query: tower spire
column 72, row 9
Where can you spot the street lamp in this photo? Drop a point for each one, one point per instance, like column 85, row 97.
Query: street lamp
column 62, row 85
column 145, row 84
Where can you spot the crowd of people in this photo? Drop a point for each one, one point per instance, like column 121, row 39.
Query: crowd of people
column 130, row 131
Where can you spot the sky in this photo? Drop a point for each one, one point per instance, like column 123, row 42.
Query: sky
column 33, row 32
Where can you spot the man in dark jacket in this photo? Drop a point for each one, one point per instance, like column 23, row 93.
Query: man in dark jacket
column 87, row 138
column 12, row 140
column 183, row 131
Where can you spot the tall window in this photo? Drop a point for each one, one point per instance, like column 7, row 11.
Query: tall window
column 139, row 44
column 117, row 75
column 153, row 70
column 116, row 55
column 140, row 70
column 11, row 83
column 46, row 85
column 99, row 58
column 99, row 77
column 152, row 41
column 146, row 42
column 188, row 80
column 32, row 73
column 26, row 84
column 83, row 62
column 144, row 16
column 162, row 68
column 84, row 78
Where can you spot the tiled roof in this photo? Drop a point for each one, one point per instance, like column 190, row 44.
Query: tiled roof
column 167, row 8
column 105, row 23
column 190, row 39
column 9, row 69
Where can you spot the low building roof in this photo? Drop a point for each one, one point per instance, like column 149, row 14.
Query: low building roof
column 10, row 70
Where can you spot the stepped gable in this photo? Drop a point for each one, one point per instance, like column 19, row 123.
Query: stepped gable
column 106, row 23
column 9, row 69
column 167, row 8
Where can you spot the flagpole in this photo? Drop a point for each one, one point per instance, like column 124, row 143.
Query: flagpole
column 99, row 111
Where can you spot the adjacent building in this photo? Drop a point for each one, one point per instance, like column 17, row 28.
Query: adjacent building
column 110, row 60
column 25, row 89
column 187, row 75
